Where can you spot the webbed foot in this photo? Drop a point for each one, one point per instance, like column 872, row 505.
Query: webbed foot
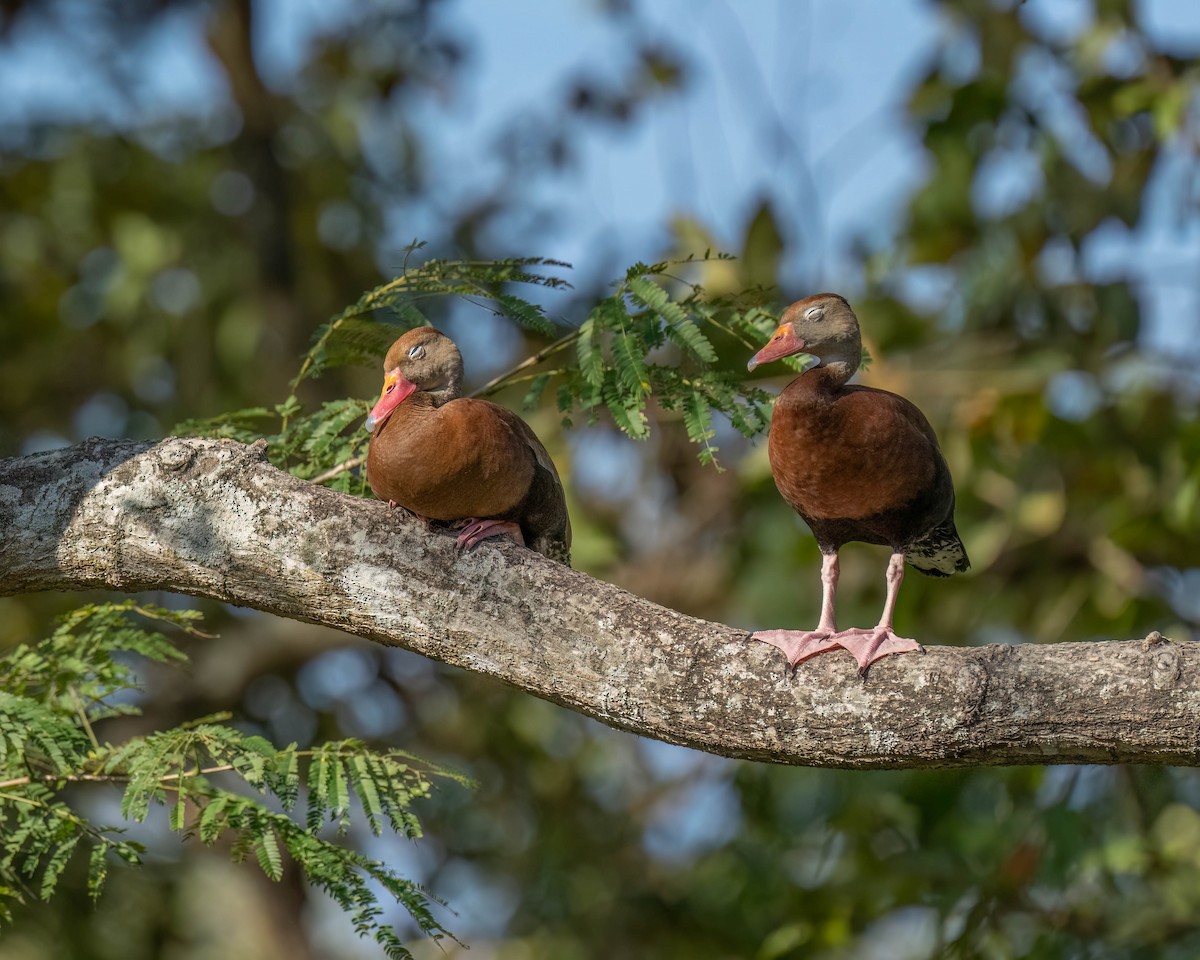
column 476, row 531
column 867, row 646
column 798, row 645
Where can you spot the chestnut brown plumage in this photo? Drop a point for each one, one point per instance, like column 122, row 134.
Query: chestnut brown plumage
column 450, row 458
column 856, row 463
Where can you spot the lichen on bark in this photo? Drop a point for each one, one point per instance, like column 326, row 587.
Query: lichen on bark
column 213, row 518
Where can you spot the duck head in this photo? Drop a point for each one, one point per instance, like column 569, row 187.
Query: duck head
column 421, row 360
column 822, row 326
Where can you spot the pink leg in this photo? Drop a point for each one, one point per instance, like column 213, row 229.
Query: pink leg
column 867, row 646
column 477, row 530
column 799, row 645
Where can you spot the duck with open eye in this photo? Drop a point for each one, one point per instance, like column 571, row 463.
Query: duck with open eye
column 468, row 462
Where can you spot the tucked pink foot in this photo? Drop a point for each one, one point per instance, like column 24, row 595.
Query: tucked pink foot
column 867, row 646
column 798, row 645
column 477, row 530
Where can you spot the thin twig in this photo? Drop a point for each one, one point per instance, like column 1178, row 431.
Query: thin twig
column 534, row 376
column 492, row 385
column 20, row 799
column 729, row 330
column 340, row 468
column 185, row 627
column 107, row 777
column 81, row 709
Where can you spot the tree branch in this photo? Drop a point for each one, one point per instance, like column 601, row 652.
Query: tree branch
column 212, row 518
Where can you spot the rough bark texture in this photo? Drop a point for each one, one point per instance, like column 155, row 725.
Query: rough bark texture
column 213, row 518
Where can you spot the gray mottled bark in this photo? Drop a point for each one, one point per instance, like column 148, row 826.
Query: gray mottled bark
column 212, row 518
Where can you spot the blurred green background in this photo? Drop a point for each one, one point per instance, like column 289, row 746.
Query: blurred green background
column 1009, row 195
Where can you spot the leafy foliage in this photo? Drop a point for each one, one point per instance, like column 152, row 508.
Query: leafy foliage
column 648, row 342
column 206, row 773
column 327, row 439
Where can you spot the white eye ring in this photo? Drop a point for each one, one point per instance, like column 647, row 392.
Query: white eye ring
column 416, row 353
column 814, row 313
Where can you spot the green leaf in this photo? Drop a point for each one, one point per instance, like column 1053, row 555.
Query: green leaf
column 289, row 408
column 627, row 412
column 97, row 869
column 213, row 818
column 56, row 862
column 245, row 426
column 341, row 794
column 628, row 356
column 697, row 419
column 368, row 792
column 587, row 348
column 266, row 847
column 287, row 787
column 38, row 734
column 528, row 315
column 536, row 389
column 648, row 293
column 688, row 335
column 351, row 341
column 317, row 802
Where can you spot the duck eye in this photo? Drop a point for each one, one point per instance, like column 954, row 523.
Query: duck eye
column 416, row 353
column 814, row 313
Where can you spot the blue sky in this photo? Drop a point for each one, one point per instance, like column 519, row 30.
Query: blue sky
column 798, row 101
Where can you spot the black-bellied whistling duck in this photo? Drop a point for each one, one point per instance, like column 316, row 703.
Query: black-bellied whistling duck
column 451, row 458
column 857, row 464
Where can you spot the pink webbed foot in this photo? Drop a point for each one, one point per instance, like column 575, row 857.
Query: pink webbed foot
column 475, row 531
column 798, row 645
column 867, row 646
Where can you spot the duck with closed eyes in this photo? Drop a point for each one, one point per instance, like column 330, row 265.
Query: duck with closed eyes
column 856, row 463
column 468, row 462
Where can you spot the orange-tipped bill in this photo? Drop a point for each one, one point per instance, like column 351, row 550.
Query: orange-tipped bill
column 396, row 389
column 783, row 343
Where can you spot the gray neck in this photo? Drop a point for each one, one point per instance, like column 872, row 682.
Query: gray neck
column 450, row 390
column 839, row 369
